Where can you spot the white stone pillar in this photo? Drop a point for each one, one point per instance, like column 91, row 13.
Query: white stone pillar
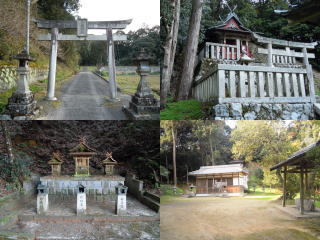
column 23, row 80
column 81, row 203
column 42, row 203
column 121, row 201
column 270, row 54
column 111, row 65
column 53, row 64
column 238, row 49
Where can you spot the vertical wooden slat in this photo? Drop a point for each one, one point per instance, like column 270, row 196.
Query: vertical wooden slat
column 238, row 49
column 270, row 85
column 228, row 53
column 310, row 81
column 221, row 83
column 242, row 84
column 302, row 88
column 232, row 83
column 260, row 83
column 286, row 83
column 218, row 52
column 207, row 50
column 251, row 84
column 212, row 52
column 293, row 60
column 294, row 84
column 279, row 88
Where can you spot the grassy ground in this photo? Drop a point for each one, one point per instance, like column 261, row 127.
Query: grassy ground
column 128, row 82
column 183, row 110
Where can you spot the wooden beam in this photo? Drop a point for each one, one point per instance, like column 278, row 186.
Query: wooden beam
column 301, row 192
column 284, row 186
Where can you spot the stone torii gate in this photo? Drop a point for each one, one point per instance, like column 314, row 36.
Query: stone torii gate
column 82, row 26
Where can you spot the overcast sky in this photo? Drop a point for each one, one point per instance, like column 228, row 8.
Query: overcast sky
column 143, row 12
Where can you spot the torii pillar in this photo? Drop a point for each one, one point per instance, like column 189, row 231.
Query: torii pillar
column 112, row 65
column 53, row 64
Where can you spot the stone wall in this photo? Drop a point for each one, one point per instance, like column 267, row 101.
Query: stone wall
column 98, row 186
column 8, row 76
column 135, row 187
column 249, row 111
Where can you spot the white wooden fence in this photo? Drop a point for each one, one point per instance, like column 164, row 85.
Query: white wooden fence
column 255, row 84
column 220, row 51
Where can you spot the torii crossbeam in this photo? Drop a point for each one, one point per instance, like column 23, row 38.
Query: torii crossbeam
column 82, row 26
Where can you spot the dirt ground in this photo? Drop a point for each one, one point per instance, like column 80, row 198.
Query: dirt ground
column 209, row 218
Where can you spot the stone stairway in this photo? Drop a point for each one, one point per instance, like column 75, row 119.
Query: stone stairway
column 151, row 200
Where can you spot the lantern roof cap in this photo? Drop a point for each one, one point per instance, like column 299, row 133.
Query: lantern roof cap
column 143, row 56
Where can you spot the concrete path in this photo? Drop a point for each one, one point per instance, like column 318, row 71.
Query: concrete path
column 84, row 98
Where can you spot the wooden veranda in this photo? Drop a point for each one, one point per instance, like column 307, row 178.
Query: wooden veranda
column 301, row 162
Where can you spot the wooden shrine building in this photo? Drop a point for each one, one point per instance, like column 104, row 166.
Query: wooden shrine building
column 237, row 67
column 109, row 164
column 301, row 162
column 55, row 163
column 221, row 180
column 82, row 154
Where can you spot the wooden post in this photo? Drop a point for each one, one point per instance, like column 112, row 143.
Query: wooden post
column 270, row 54
column 305, row 56
column 301, row 191
column 284, row 186
column 53, row 64
column 307, row 183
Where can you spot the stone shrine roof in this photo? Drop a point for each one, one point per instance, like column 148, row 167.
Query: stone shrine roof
column 217, row 169
column 55, row 159
column 82, row 148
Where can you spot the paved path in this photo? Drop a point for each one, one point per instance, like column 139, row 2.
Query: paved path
column 84, row 98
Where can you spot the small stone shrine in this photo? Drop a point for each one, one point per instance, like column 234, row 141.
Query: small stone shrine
column 109, row 164
column 55, row 163
column 81, row 200
column 82, row 154
column 143, row 106
column 42, row 199
column 121, row 201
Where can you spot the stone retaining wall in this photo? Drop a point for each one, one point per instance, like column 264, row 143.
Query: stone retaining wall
column 94, row 186
column 248, row 111
column 8, row 76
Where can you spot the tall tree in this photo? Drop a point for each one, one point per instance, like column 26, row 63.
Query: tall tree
column 169, row 50
column 190, row 51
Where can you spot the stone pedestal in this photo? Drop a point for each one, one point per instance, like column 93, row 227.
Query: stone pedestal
column 22, row 105
column 42, row 203
column 81, row 203
column 143, row 106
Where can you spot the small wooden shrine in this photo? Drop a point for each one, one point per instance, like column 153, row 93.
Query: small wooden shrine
column 82, row 154
column 55, row 163
column 109, row 164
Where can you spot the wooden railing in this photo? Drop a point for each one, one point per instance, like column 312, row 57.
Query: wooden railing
column 226, row 189
column 220, row 51
column 255, row 84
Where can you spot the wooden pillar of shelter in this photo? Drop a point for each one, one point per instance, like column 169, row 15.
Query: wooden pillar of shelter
column 307, row 183
column 301, row 191
column 284, row 186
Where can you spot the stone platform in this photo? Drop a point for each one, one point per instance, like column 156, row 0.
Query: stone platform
column 95, row 185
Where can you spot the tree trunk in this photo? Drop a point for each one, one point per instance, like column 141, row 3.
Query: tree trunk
column 7, row 140
column 169, row 53
column 190, row 52
column 174, row 135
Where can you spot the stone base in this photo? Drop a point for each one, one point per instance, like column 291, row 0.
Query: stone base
column 22, row 106
column 143, row 108
column 255, row 111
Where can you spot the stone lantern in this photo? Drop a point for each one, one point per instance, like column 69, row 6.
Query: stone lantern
column 109, row 164
column 121, row 202
column 42, row 199
column 82, row 154
column 143, row 106
column 55, row 163
column 81, row 199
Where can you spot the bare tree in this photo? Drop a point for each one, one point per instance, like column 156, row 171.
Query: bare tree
column 190, row 51
column 169, row 52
